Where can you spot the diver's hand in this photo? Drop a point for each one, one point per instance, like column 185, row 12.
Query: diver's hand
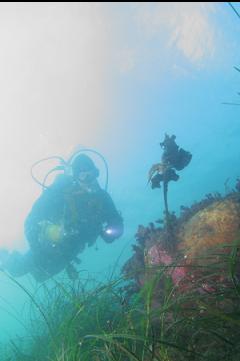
column 107, row 237
column 110, row 233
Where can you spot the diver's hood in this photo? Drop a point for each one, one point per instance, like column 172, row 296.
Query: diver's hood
column 82, row 163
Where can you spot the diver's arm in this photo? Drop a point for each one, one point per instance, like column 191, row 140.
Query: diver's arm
column 46, row 208
column 114, row 228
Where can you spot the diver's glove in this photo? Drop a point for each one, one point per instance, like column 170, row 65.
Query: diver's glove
column 110, row 233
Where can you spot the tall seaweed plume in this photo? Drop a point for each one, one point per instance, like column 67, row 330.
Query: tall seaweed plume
column 173, row 159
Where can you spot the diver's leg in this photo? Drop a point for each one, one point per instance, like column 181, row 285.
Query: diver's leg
column 4, row 254
column 18, row 264
column 47, row 265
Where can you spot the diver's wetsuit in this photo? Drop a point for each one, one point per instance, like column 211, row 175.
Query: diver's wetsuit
column 82, row 213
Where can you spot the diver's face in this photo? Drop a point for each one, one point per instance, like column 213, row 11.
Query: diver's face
column 85, row 176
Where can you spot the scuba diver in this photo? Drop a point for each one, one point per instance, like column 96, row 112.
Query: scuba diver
column 70, row 214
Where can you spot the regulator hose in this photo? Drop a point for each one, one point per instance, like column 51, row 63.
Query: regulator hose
column 65, row 165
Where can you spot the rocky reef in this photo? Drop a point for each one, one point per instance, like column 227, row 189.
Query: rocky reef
column 184, row 246
column 188, row 243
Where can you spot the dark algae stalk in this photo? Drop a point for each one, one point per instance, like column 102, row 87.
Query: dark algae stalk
column 173, row 158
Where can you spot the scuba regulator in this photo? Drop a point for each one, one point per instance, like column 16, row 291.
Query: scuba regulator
column 66, row 166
